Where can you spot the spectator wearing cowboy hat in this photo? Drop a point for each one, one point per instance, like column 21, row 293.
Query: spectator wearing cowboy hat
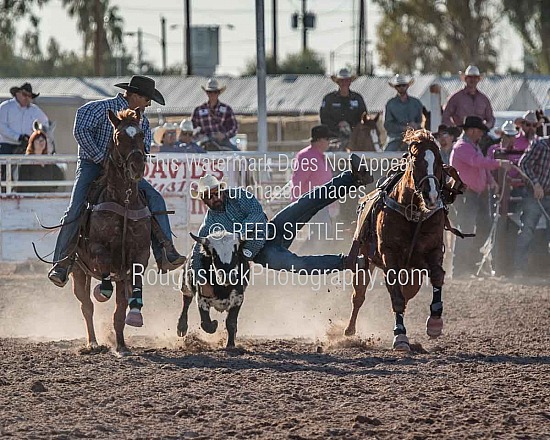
column 468, row 101
column 216, row 119
column 187, row 136
column 402, row 111
column 341, row 110
column 267, row 243
column 528, row 125
column 473, row 207
column 17, row 116
column 93, row 132
column 166, row 137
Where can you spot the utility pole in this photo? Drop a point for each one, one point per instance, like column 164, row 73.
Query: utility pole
column 274, row 36
column 304, row 28
column 99, row 69
column 140, row 50
column 188, row 36
column 261, row 77
column 163, row 42
column 361, row 61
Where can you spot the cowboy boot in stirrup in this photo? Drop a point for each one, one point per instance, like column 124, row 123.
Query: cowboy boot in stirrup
column 59, row 273
column 170, row 258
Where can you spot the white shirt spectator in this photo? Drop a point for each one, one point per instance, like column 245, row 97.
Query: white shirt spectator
column 16, row 120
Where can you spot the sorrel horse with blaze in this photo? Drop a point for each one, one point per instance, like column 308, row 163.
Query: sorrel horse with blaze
column 403, row 235
column 118, row 231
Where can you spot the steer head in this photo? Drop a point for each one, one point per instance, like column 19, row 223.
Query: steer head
column 223, row 250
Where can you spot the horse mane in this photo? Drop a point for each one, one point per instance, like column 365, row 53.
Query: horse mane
column 127, row 115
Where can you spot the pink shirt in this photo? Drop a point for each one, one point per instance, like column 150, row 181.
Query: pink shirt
column 473, row 167
column 521, row 143
column 462, row 104
column 311, row 169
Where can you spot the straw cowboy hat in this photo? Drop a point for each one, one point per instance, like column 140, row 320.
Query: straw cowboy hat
column 343, row 74
column 159, row 131
column 470, row 71
column 186, row 126
column 144, row 86
column 213, row 86
column 205, row 185
column 400, row 80
column 508, row 128
column 474, row 122
column 25, row 87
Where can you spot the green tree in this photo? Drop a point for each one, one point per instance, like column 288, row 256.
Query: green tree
column 531, row 18
column 298, row 63
column 437, row 36
column 99, row 24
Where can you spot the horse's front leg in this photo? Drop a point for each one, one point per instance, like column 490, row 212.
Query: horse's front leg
column 102, row 259
column 183, row 325
column 81, row 289
column 134, row 317
column 400, row 339
column 361, row 280
column 118, row 317
column 434, row 324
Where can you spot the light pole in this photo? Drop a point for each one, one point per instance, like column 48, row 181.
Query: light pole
column 140, row 35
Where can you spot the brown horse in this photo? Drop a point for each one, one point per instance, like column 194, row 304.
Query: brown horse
column 365, row 135
column 403, row 235
column 117, row 238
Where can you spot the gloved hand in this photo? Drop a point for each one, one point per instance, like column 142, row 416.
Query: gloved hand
column 247, row 254
column 24, row 139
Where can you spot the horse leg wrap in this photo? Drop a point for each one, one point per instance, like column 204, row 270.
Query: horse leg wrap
column 399, row 328
column 136, row 300
column 436, row 309
column 106, row 286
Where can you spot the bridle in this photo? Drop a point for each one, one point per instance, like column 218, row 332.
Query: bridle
column 418, row 185
column 120, row 162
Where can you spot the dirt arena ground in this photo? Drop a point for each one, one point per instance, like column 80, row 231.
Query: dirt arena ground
column 293, row 376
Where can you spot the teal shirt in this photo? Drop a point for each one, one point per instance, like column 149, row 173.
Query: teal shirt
column 399, row 114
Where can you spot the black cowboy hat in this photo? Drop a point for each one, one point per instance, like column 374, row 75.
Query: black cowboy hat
column 144, row 86
column 320, row 132
column 26, row 87
column 474, row 122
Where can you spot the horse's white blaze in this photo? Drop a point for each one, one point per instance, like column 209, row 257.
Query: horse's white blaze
column 131, row 131
column 430, row 159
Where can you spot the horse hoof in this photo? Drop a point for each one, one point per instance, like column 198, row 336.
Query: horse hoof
column 350, row 331
column 134, row 318
column 434, row 326
column 122, row 352
column 401, row 343
column 210, row 327
column 101, row 296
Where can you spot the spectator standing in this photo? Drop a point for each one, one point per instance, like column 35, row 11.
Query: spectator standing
column 535, row 163
column 341, row 110
column 473, row 207
column 38, row 145
column 468, row 102
column 215, row 118
column 17, row 116
column 402, row 111
column 446, row 141
column 311, row 169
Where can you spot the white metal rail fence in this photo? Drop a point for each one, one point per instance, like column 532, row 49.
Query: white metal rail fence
column 267, row 175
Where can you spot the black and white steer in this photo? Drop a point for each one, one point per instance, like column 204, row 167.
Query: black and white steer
column 226, row 269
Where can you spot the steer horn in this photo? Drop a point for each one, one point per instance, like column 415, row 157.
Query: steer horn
column 201, row 240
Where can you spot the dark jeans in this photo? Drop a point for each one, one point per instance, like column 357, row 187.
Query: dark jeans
column 275, row 253
column 530, row 216
column 472, row 215
column 8, row 148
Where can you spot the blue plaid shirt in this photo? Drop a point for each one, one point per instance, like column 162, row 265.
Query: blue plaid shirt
column 93, row 131
column 241, row 212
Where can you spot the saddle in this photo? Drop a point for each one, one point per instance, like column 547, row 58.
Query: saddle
column 371, row 204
